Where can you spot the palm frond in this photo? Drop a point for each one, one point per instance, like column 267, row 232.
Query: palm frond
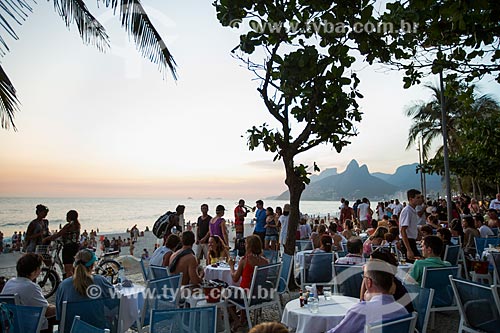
column 135, row 20
column 15, row 11
column 91, row 31
column 8, row 101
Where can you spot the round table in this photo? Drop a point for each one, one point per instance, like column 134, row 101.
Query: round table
column 222, row 273
column 330, row 314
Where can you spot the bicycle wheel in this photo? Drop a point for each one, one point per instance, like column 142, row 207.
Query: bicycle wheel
column 48, row 280
column 109, row 268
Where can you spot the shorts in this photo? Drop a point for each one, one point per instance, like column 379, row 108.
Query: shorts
column 364, row 224
column 202, row 251
column 68, row 253
column 271, row 238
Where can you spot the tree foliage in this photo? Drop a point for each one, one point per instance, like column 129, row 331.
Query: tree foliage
column 458, row 37
column 133, row 18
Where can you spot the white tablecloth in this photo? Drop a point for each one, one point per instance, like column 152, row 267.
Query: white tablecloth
column 330, row 314
column 132, row 302
column 299, row 257
column 220, row 273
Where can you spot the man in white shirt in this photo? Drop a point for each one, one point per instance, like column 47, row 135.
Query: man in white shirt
column 398, row 207
column 408, row 225
column 363, row 210
column 484, row 230
column 28, row 268
column 283, row 224
column 495, row 203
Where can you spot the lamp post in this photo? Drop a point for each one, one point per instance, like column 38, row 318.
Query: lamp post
column 419, row 149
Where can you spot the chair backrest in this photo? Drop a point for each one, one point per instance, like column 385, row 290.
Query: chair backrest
column 186, row 320
column 303, row 245
column 496, row 263
column 10, row 299
column 340, row 254
column 21, row 318
column 437, row 279
column 264, row 285
column 348, row 279
column 271, row 255
column 145, row 270
column 286, row 269
column 404, row 324
column 161, row 294
column 456, row 240
column 482, row 243
column 317, row 268
column 477, row 305
column 495, row 231
column 79, row 326
column 158, row 272
column 451, row 254
column 421, row 299
column 101, row 313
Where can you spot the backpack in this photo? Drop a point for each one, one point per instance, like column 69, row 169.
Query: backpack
column 160, row 226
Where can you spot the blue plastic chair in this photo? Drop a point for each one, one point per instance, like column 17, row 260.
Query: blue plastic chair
column 303, row 245
column 187, row 320
column 482, row 243
column 496, row 265
column 452, row 253
column 161, row 294
column 101, row 313
column 437, row 279
column 10, row 299
column 348, row 279
column 158, row 272
column 495, row 231
column 317, row 268
column 477, row 306
column 21, row 318
column 271, row 255
column 146, row 274
column 421, row 299
column 79, row 326
column 286, row 270
column 262, row 292
column 404, row 324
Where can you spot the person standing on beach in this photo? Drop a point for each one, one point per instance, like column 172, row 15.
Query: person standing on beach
column 218, row 225
column 70, row 235
column 38, row 229
column 260, row 221
column 408, row 225
column 283, row 223
column 179, row 211
column 240, row 212
column 203, row 233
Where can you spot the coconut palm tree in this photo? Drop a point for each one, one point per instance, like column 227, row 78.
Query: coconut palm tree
column 133, row 19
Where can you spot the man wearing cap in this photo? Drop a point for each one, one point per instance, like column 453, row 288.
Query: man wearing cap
column 260, row 221
column 283, row 223
column 240, row 212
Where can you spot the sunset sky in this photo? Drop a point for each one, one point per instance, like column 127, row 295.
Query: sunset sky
column 108, row 125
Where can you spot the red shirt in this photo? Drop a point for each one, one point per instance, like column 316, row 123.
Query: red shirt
column 237, row 211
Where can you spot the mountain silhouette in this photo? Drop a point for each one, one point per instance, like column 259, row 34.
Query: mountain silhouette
column 406, row 177
column 354, row 182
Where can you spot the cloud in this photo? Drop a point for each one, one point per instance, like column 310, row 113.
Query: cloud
column 266, row 164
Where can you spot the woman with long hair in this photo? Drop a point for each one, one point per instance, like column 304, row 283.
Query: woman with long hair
column 271, row 226
column 376, row 239
column 79, row 286
column 216, row 249
column 70, row 235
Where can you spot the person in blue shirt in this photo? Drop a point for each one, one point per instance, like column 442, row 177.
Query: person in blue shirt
column 82, row 285
column 378, row 303
column 260, row 221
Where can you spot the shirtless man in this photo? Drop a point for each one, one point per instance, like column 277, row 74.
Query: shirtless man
column 184, row 261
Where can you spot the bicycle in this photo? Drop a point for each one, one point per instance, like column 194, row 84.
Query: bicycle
column 50, row 276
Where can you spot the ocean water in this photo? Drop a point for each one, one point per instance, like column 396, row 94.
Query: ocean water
column 112, row 215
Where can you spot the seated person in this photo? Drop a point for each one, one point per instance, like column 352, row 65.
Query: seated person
column 253, row 257
column 161, row 256
column 355, row 253
column 184, row 261
column 216, row 249
column 432, row 246
column 320, row 266
column 445, row 235
column 378, row 303
column 425, row 231
column 75, row 288
column 269, row 327
column 28, row 268
column 375, row 239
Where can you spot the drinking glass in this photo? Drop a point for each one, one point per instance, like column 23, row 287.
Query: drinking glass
column 327, row 292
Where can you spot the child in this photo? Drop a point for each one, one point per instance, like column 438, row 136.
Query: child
column 145, row 254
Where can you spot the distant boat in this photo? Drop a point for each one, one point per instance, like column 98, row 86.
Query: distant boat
column 189, row 198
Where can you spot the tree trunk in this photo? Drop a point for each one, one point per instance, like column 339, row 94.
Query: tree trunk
column 479, row 189
column 295, row 188
column 474, row 194
column 460, row 187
